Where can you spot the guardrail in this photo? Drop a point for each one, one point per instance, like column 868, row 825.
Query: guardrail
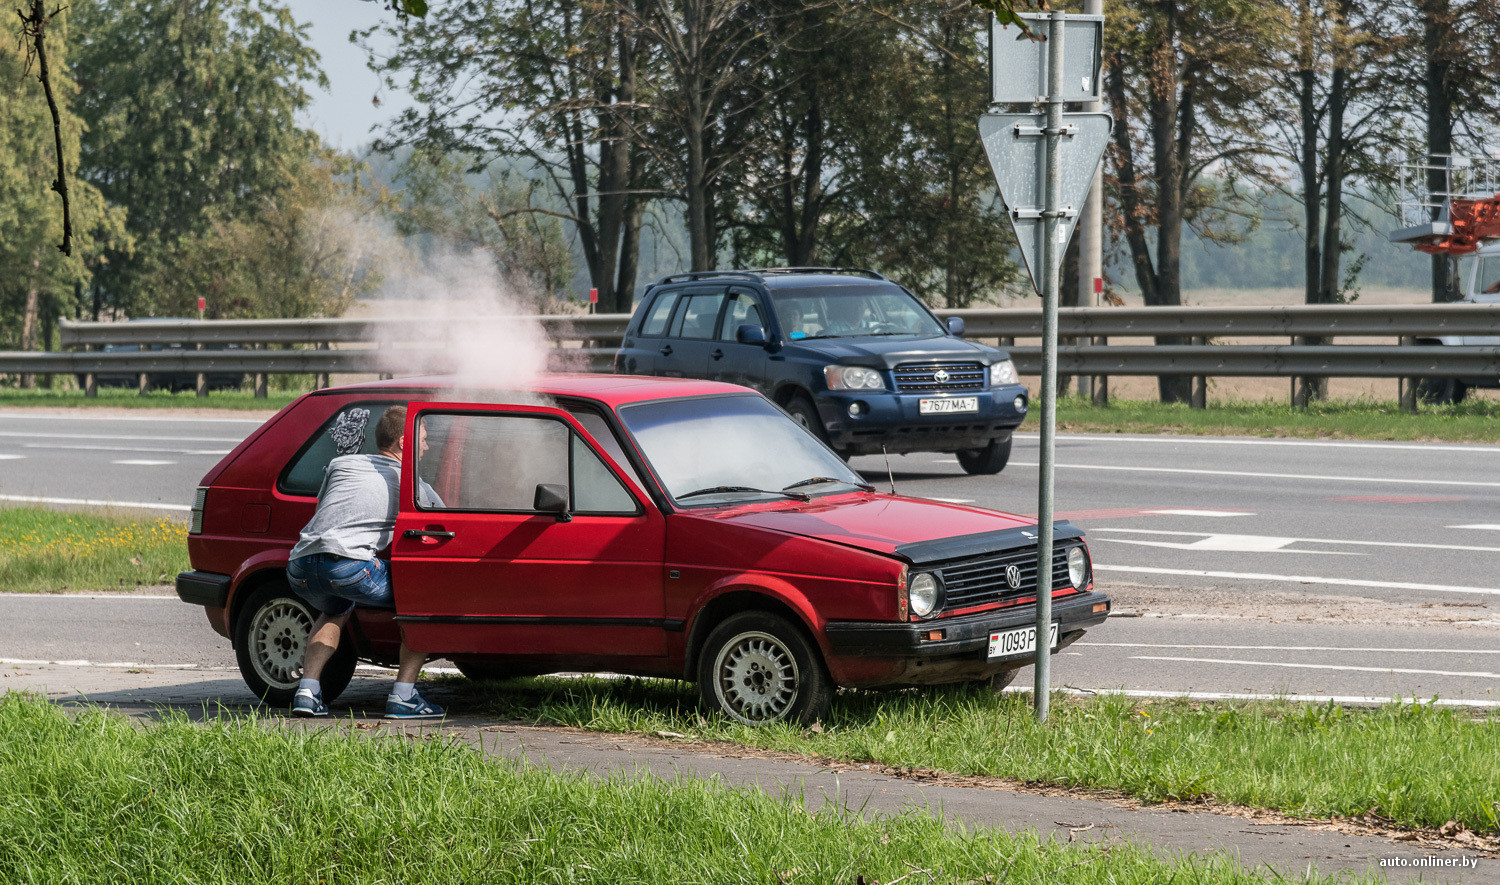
column 587, row 343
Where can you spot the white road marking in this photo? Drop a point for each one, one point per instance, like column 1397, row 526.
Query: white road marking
column 11, row 457
column 1294, row 443
column 946, row 461
column 142, row 462
column 1481, row 526
column 1235, row 544
column 83, row 596
column 166, row 438
column 1388, row 480
column 1253, row 696
column 127, row 449
column 144, row 418
column 1415, row 544
column 1200, row 512
column 1293, row 579
column 90, row 502
column 1480, row 674
column 25, row 662
column 1422, row 651
column 953, row 500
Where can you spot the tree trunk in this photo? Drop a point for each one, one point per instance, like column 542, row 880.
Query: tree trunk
column 630, row 257
column 1169, row 155
column 1437, row 23
column 29, row 320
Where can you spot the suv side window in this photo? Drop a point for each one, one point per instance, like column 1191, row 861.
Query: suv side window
column 351, row 431
column 698, row 316
column 743, row 310
column 655, row 324
column 493, row 463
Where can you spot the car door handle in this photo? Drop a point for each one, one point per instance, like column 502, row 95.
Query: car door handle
column 666, row 350
column 427, row 533
column 717, row 354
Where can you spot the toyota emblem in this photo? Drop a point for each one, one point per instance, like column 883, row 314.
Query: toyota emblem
column 940, row 376
column 1013, row 576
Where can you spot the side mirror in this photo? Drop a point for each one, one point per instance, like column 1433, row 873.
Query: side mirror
column 552, row 498
column 956, row 326
column 750, row 333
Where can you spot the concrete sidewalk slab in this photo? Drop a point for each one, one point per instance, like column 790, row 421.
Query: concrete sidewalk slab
column 1287, row 848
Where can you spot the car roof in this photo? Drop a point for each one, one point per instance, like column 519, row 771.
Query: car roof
column 783, row 277
column 819, row 280
column 612, row 390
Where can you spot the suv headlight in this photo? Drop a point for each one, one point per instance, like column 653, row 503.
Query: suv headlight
column 926, row 594
column 1003, row 372
column 852, row 378
column 1078, row 567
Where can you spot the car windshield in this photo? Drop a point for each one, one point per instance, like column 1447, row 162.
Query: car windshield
column 732, row 449
column 852, row 312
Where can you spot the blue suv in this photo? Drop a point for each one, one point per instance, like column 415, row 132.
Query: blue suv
column 854, row 357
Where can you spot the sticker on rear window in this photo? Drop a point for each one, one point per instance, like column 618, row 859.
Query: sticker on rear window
column 348, row 430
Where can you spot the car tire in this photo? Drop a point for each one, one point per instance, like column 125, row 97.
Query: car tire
column 986, row 461
column 270, row 637
column 1442, row 391
column 492, row 671
column 1002, row 680
column 758, row 668
column 804, row 412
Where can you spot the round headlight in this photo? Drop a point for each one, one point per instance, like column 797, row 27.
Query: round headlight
column 1078, row 567
column 923, row 592
column 852, row 378
column 1003, row 372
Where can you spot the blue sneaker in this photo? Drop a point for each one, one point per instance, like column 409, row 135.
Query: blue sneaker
column 416, row 708
column 306, row 703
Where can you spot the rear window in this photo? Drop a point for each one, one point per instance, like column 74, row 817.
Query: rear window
column 350, row 431
column 655, row 324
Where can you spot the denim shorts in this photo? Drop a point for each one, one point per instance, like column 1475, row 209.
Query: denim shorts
column 334, row 584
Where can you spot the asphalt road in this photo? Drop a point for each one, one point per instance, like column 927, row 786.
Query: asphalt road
column 1357, row 570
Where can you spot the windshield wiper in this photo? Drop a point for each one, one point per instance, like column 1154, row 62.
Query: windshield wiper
column 716, row 490
column 814, row 480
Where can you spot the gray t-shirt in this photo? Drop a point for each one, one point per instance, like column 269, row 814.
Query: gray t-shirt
column 356, row 515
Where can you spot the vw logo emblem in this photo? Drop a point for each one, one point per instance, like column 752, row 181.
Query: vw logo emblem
column 1013, row 576
column 940, row 376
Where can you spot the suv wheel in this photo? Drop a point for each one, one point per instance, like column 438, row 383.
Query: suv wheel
column 758, row 668
column 802, row 410
column 270, row 638
column 986, row 461
column 1442, row 391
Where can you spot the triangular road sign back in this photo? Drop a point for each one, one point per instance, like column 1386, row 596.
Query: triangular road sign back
column 1018, row 156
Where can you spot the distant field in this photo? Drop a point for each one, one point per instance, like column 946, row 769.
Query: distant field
column 46, row 551
column 124, row 398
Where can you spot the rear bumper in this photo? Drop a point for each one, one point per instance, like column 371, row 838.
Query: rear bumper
column 894, row 421
column 203, row 588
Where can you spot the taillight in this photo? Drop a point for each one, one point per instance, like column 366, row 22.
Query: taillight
column 200, row 498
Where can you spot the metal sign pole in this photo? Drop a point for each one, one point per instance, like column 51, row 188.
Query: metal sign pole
column 1051, row 273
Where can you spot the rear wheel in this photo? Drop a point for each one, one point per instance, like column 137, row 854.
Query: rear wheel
column 270, row 639
column 1442, row 391
column 759, row 668
column 986, row 461
column 1002, row 680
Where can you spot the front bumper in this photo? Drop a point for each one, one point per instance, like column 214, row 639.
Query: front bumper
column 962, row 651
column 894, row 421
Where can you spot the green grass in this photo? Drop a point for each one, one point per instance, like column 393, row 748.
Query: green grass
column 46, row 551
column 117, row 397
column 1421, row 764
column 1472, row 421
column 97, row 799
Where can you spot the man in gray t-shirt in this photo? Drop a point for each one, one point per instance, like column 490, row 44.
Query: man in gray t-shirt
column 334, row 567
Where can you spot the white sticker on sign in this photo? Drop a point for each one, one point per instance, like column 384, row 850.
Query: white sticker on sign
column 1085, row 84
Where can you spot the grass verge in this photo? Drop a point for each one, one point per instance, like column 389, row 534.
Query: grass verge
column 117, row 397
column 1471, row 421
column 1420, row 764
column 45, row 551
column 97, row 799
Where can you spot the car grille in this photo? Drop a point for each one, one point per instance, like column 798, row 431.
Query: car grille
column 925, row 376
column 978, row 580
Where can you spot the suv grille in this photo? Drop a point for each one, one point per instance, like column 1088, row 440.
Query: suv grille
column 978, row 580
column 939, row 376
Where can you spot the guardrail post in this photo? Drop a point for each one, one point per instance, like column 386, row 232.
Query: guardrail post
column 142, row 384
column 90, row 382
column 1407, row 387
column 202, row 381
column 321, row 380
column 1101, row 382
column 260, row 378
column 1198, row 399
column 1295, row 341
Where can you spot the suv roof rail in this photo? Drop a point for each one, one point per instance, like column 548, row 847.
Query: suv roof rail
column 830, row 270
column 708, row 275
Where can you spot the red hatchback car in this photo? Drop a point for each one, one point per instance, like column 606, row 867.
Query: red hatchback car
column 657, row 527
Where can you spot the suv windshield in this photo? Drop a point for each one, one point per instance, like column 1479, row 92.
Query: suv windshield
column 717, row 450
column 851, row 312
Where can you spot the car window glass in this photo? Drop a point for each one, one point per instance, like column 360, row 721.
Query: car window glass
column 595, row 489
column 491, row 462
column 600, row 430
column 351, row 431
column 661, row 311
column 1488, row 282
column 742, row 310
column 697, row 317
column 852, row 311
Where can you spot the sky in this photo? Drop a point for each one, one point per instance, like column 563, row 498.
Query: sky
column 345, row 112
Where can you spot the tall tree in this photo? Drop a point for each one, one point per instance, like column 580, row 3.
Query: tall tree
column 190, row 107
column 1180, row 77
